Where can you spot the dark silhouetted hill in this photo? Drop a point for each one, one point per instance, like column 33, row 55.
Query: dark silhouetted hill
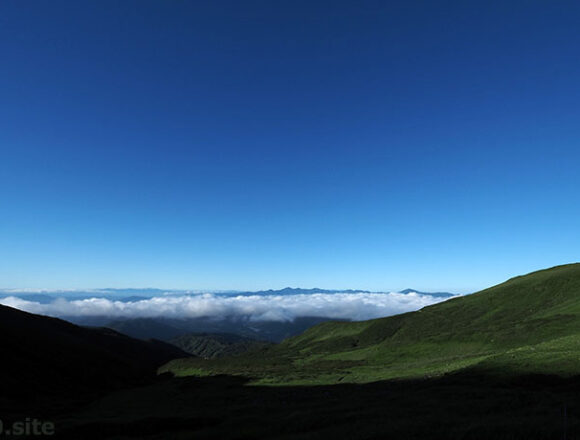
column 43, row 356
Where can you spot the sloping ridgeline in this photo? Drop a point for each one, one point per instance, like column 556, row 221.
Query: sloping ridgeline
column 527, row 325
column 48, row 363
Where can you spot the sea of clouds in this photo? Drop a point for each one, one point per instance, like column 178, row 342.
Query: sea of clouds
column 351, row 306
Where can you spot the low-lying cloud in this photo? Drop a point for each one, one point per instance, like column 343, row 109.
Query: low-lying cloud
column 352, row 306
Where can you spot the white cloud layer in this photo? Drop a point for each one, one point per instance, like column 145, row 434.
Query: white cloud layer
column 354, row 306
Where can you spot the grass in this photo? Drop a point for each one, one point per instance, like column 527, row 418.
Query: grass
column 503, row 364
column 452, row 407
column 529, row 324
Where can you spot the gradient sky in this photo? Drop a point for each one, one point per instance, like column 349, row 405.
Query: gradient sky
column 258, row 144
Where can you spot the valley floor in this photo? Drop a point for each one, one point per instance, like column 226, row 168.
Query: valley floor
column 459, row 406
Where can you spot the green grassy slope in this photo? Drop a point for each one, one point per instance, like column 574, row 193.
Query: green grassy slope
column 529, row 323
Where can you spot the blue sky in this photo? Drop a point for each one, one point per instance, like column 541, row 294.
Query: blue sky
column 258, row 144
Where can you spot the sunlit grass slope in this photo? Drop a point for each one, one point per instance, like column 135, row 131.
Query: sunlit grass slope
column 529, row 324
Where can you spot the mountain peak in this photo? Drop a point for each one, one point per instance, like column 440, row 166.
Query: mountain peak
column 437, row 294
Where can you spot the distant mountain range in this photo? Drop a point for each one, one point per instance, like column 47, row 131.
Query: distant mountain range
column 299, row 291
column 46, row 297
column 436, row 294
column 133, row 295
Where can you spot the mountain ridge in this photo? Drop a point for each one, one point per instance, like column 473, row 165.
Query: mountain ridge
column 542, row 307
column 47, row 356
column 437, row 294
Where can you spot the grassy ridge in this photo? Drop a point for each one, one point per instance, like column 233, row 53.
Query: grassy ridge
column 529, row 323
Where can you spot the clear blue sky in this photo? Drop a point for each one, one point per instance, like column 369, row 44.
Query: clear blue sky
column 259, row 144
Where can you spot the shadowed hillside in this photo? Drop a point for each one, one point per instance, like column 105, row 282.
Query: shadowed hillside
column 47, row 358
column 210, row 346
column 145, row 328
column 166, row 329
column 205, row 345
column 454, row 407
